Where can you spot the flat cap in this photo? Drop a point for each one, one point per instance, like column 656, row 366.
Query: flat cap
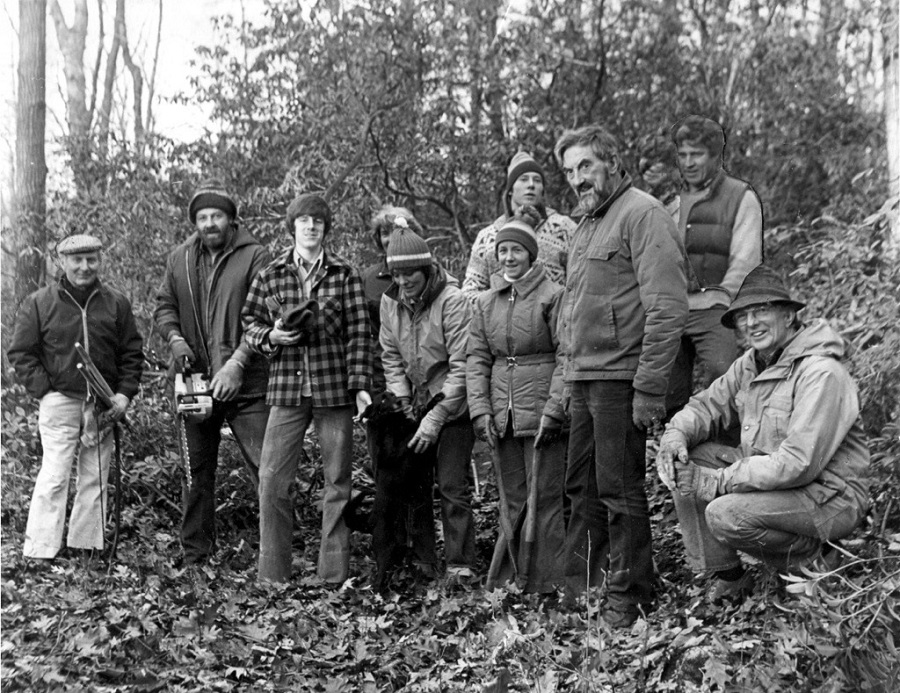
column 79, row 243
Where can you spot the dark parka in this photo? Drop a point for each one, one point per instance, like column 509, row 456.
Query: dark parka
column 178, row 310
column 49, row 323
column 512, row 363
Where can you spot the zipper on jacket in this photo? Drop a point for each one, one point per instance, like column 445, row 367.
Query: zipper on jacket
column 85, row 336
column 511, row 359
column 187, row 271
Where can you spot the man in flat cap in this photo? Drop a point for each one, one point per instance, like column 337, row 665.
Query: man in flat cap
column 76, row 308
column 198, row 312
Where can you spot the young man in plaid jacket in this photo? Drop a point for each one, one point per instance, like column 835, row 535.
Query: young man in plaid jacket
column 307, row 313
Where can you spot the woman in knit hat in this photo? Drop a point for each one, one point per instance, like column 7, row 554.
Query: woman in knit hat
column 516, row 400
column 377, row 278
column 524, row 189
column 424, row 325
column 798, row 478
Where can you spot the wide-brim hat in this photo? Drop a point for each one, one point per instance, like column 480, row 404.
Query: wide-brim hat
column 763, row 285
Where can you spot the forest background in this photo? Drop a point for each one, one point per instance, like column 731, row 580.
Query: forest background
column 421, row 104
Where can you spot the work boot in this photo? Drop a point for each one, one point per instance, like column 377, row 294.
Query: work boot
column 732, row 590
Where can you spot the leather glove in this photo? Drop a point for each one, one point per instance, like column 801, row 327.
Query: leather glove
column 548, row 433
column 120, row 403
column 672, row 446
column 406, row 407
column 701, row 482
column 647, row 410
column 226, row 383
column 302, row 319
column 427, row 433
column 180, row 349
column 485, row 429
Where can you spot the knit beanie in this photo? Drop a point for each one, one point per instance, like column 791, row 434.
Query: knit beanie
column 407, row 249
column 521, row 163
column 520, row 232
column 309, row 204
column 211, row 193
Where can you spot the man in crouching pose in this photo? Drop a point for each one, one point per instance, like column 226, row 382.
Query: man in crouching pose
column 796, row 480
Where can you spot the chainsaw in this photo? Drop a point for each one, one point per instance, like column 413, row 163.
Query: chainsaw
column 193, row 398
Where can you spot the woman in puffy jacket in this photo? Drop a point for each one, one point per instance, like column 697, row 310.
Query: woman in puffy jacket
column 516, row 400
column 424, row 325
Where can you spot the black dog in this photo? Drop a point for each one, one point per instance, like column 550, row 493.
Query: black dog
column 402, row 516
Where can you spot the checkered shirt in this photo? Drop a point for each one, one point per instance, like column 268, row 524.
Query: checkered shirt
column 340, row 350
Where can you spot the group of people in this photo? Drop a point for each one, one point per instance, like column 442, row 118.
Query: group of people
column 560, row 350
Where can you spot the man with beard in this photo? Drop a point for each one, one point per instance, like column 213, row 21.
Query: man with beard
column 623, row 311
column 198, row 312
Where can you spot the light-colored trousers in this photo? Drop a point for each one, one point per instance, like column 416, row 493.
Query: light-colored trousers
column 63, row 421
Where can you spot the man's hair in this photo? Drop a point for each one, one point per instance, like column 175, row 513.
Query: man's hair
column 704, row 131
column 603, row 143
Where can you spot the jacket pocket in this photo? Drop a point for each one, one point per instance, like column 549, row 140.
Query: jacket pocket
column 331, row 319
column 601, row 276
column 775, row 420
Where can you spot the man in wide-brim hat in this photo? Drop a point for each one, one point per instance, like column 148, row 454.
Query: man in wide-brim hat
column 795, row 482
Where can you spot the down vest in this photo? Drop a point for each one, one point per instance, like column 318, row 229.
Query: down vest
column 512, row 366
column 799, row 420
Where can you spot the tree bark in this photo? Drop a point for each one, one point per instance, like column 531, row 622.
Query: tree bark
column 890, row 27
column 109, row 80
column 136, row 77
column 31, row 167
column 71, row 45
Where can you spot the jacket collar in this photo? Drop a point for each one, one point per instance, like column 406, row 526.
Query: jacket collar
column 604, row 206
column 523, row 286
column 711, row 186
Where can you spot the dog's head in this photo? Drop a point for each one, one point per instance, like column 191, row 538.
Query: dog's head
column 387, row 403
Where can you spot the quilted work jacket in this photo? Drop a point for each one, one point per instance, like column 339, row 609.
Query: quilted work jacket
column 340, row 349
column 512, row 367
column 424, row 345
column 799, row 420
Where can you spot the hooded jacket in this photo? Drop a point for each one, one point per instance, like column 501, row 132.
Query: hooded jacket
column 178, row 307
column 49, row 323
column 799, row 420
column 424, row 345
column 512, row 364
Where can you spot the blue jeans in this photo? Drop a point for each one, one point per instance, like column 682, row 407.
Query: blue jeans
column 247, row 420
column 782, row 528
column 280, row 459
column 454, row 454
column 602, row 429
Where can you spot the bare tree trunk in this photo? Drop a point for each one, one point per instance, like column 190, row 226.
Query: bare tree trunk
column 890, row 27
column 31, row 166
column 109, row 80
column 151, row 88
column 71, row 45
column 136, row 77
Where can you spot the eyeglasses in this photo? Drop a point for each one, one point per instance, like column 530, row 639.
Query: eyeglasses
column 763, row 312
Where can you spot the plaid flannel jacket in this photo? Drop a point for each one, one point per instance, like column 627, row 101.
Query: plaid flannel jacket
column 340, row 350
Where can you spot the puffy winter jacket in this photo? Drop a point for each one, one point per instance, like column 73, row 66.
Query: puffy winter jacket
column 424, row 346
column 512, row 366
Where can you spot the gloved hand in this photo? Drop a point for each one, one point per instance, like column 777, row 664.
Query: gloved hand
column 120, row 403
column 428, row 431
column 406, row 407
column 180, row 349
column 226, row 384
column 647, row 410
column 548, row 433
column 672, row 446
column 701, row 482
column 485, row 429
column 363, row 400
